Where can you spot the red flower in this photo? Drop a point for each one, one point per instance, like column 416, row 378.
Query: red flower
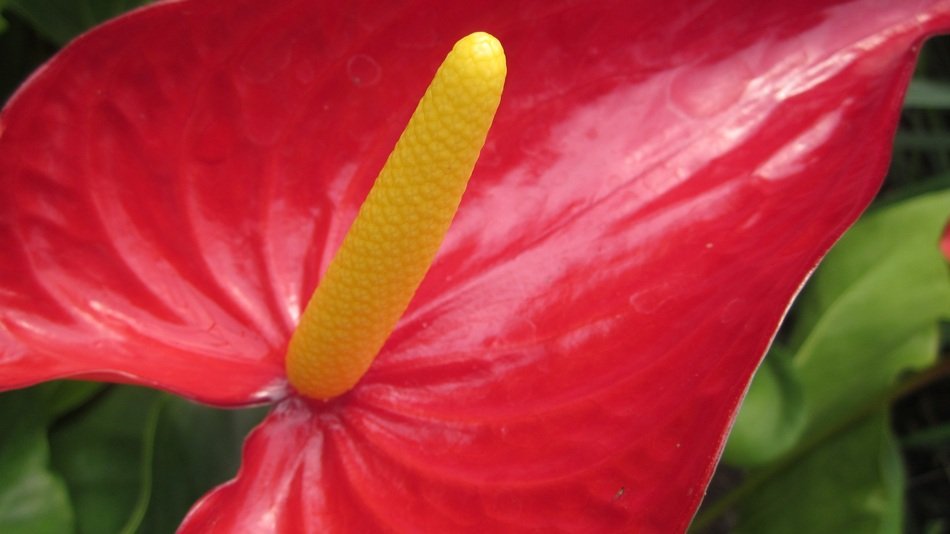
column 659, row 181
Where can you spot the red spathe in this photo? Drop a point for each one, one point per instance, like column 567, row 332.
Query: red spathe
column 660, row 179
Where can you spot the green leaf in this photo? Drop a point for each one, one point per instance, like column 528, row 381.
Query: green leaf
column 32, row 499
column 103, row 452
column 852, row 483
column 196, row 449
column 61, row 20
column 927, row 94
column 21, row 51
column 772, row 415
column 63, row 396
column 136, row 460
column 931, row 438
column 883, row 287
column 3, row 23
column 848, row 479
column 908, row 227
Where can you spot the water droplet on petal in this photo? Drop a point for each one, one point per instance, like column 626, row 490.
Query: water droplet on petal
column 363, row 70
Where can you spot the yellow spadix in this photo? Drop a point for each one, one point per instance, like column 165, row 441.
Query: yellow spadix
column 399, row 228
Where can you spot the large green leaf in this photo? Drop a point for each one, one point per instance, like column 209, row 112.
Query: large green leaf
column 772, row 416
column 32, row 499
column 846, row 479
column 908, row 228
column 64, row 396
column 196, row 448
column 103, row 452
column 135, row 460
column 61, row 20
column 884, row 284
column 927, row 94
column 852, row 483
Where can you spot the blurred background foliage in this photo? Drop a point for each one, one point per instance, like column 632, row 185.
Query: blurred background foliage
column 845, row 429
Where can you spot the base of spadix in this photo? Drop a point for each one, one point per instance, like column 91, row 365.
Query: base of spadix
column 400, row 226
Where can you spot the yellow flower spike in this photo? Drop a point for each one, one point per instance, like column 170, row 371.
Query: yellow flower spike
column 399, row 228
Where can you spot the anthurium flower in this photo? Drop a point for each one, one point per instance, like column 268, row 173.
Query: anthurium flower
column 659, row 181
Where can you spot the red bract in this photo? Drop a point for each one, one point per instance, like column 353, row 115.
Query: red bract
column 660, row 179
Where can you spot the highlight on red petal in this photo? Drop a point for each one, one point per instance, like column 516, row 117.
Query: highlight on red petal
column 658, row 182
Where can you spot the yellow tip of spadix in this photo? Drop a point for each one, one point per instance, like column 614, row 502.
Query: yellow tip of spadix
column 400, row 226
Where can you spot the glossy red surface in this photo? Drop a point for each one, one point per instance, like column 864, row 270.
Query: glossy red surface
column 660, row 179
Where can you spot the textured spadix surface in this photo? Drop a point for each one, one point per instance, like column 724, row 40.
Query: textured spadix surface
column 401, row 224
column 660, row 179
